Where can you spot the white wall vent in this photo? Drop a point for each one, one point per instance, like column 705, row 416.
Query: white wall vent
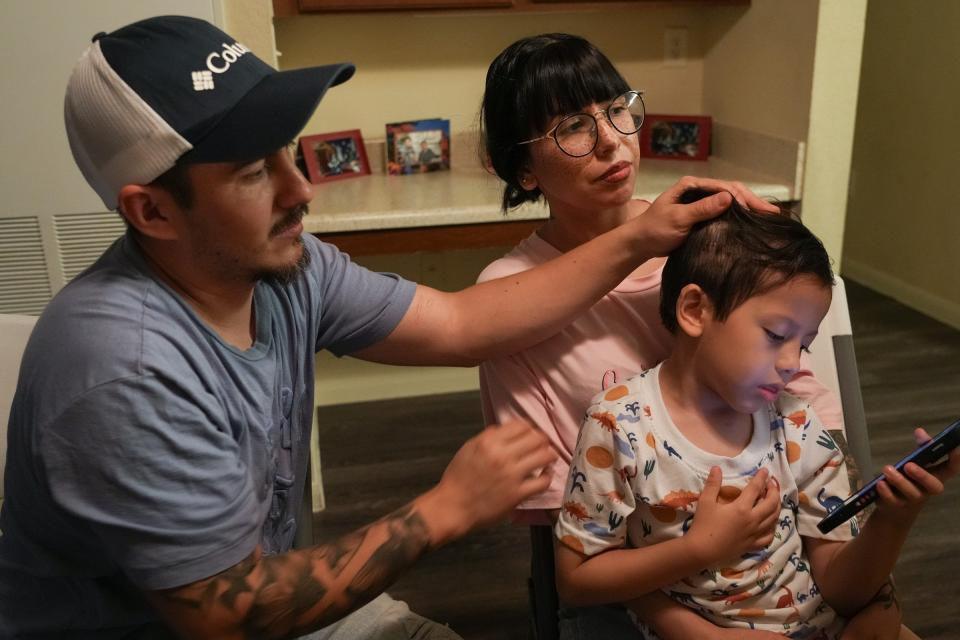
column 82, row 237
column 24, row 284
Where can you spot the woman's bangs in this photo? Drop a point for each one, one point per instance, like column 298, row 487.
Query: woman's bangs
column 567, row 82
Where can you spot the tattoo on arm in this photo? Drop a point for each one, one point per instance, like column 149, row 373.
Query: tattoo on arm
column 291, row 594
column 887, row 596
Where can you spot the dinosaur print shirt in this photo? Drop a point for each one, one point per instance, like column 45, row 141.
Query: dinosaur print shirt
column 635, row 481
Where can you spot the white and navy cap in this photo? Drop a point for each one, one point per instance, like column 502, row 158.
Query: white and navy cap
column 176, row 88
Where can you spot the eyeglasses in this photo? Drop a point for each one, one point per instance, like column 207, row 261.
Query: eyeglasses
column 576, row 135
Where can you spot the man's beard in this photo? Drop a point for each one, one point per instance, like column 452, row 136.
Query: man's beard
column 288, row 274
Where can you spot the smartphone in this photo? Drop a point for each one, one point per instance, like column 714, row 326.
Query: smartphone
column 927, row 455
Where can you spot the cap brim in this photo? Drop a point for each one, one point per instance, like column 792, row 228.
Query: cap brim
column 269, row 116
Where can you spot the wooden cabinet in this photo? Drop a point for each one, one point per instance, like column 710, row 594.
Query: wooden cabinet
column 307, row 6
column 286, row 8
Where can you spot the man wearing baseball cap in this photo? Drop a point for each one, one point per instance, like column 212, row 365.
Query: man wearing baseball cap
column 158, row 440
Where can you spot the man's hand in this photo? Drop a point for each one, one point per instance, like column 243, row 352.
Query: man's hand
column 666, row 223
column 724, row 528
column 490, row 474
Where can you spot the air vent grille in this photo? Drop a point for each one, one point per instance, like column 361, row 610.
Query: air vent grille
column 24, row 283
column 82, row 237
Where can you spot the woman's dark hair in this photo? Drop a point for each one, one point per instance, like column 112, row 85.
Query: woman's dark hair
column 531, row 82
column 738, row 255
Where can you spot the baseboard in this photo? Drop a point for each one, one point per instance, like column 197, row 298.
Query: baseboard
column 938, row 308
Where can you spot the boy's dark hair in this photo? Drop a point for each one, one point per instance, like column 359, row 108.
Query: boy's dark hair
column 738, row 255
column 532, row 81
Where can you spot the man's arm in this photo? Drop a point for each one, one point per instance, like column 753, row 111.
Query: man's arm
column 291, row 594
column 503, row 316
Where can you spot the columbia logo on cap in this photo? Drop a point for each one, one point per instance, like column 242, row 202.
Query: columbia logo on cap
column 202, row 80
column 217, row 62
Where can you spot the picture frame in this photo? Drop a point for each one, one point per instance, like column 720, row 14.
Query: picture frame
column 418, row 146
column 334, row 156
column 675, row 137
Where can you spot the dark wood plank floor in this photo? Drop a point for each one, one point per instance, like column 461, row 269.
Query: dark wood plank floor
column 379, row 455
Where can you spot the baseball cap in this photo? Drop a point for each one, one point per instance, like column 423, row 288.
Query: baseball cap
column 174, row 87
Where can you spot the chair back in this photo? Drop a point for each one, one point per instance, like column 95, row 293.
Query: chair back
column 834, row 364
column 14, row 332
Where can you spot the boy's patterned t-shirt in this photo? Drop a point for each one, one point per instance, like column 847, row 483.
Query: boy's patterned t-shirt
column 635, row 481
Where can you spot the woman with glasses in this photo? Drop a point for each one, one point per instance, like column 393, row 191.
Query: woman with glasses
column 560, row 123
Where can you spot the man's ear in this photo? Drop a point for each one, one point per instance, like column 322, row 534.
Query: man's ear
column 694, row 310
column 148, row 210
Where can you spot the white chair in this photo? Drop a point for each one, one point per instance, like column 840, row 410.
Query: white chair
column 834, row 364
column 14, row 332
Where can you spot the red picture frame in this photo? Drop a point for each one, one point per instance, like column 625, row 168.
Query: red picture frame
column 673, row 137
column 334, row 156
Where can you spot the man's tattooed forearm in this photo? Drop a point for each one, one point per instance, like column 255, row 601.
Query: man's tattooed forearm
column 291, row 594
column 407, row 539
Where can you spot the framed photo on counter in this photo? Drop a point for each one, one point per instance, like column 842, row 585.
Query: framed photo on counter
column 334, row 156
column 418, row 146
column 675, row 137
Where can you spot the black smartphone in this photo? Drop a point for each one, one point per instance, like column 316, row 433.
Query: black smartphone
column 926, row 455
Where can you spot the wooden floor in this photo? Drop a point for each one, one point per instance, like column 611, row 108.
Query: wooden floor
column 379, row 455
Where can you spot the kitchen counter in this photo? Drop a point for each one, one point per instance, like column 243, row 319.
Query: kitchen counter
column 471, row 196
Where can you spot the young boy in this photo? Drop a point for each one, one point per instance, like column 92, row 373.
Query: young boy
column 708, row 432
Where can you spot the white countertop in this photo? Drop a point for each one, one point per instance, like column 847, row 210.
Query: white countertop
column 469, row 196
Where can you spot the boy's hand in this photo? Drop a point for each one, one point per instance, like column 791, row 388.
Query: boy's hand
column 900, row 496
column 724, row 529
column 490, row 474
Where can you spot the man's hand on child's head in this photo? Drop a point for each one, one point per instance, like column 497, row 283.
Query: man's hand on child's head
column 731, row 521
column 905, row 493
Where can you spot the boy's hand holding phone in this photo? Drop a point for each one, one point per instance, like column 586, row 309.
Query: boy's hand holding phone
column 903, row 488
column 902, row 494
column 724, row 528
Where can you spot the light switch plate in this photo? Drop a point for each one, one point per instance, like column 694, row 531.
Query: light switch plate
column 675, row 40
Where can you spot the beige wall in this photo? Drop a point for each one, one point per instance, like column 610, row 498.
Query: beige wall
column 251, row 22
column 758, row 67
column 789, row 70
column 412, row 66
column 902, row 226
column 833, row 108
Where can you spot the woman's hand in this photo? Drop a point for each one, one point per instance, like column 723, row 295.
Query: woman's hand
column 666, row 223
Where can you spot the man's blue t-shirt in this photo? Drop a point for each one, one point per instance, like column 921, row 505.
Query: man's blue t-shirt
column 146, row 453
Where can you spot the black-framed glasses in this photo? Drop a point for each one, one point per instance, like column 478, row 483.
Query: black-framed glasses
column 576, row 135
